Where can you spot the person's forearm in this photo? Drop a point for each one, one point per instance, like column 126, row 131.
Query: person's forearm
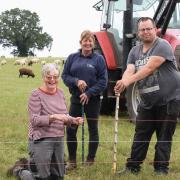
column 141, row 74
column 152, row 65
column 129, row 71
column 127, row 74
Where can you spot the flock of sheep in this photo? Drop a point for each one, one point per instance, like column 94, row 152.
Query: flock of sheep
column 24, row 62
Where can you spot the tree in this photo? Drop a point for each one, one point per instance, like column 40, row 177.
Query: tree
column 21, row 30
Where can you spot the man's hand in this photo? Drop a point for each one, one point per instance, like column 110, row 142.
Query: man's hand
column 81, row 85
column 120, row 86
column 84, row 98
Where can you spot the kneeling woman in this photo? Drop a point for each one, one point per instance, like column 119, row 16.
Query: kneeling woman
column 47, row 117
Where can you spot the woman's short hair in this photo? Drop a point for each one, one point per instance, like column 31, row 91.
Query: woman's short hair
column 48, row 68
column 87, row 34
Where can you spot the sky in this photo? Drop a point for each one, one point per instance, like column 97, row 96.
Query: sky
column 63, row 20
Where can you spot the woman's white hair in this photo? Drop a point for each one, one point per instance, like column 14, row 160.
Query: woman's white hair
column 49, row 68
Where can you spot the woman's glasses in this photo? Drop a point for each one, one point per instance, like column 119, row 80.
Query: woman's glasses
column 52, row 77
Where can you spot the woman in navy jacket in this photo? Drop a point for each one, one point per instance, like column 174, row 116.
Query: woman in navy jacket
column 85, row 75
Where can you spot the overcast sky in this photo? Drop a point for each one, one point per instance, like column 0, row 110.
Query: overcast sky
column 64, row 20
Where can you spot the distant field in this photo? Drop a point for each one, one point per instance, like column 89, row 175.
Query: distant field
column 14, row 125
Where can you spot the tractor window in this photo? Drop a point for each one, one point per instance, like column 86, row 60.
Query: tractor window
column 115, row 16
column 112, row 15
column 175, row 20
column 145, row 5
column 147, row 8
column 120, row 6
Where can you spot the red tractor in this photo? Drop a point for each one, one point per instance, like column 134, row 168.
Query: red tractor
column 118, row 35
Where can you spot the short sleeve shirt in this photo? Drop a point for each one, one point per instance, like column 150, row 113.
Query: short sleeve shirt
column 163, row 85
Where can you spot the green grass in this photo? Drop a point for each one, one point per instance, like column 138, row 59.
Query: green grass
column 14, row 95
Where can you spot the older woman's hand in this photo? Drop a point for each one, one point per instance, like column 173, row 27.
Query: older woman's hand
column 78, row 120
column 66, row 119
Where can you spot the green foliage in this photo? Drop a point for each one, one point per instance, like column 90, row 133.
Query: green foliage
column 14, row 95
column 21, row 30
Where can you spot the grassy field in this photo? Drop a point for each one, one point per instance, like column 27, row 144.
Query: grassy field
column 14, row 125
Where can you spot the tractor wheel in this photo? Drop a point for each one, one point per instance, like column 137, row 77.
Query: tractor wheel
column 132, row 101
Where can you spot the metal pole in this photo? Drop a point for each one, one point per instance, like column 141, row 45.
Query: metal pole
column 82, row 134
column 114, row 168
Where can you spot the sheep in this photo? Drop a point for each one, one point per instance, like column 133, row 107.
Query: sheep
column 23, row 62
column 26, row 71
column 29, row 62
column 3, row 62
column 43, row 62
column 35, row 60
column 20, row 62
column 57, row 61
column 17, row 62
